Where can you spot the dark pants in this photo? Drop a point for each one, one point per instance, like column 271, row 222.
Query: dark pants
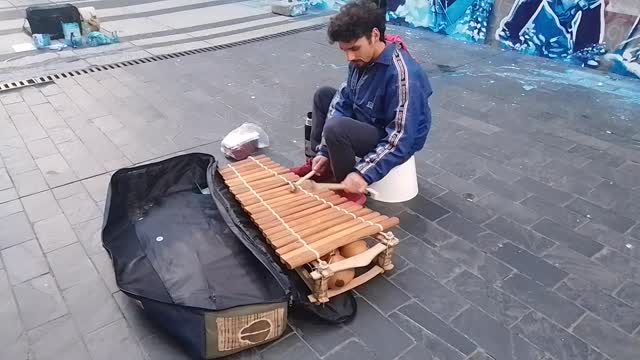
column 346, row 138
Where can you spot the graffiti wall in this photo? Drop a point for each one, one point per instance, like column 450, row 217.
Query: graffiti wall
column 462, row 19
column 601, row 34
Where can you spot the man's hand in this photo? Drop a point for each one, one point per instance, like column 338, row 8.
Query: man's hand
column 320, row 164
column 355, row 183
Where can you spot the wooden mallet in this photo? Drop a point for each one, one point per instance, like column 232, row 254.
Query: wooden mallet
column 294, row 186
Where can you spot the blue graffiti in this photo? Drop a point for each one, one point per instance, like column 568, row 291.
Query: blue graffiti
column 625, row 58
column 461, row 19
column 625, row 63
column 473, row 26
column 571, row 31
column 565, row 29
column 326, row 4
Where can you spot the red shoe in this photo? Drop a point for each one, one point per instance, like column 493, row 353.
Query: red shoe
column 303, row 170
column 359, row 199
column 306, row 168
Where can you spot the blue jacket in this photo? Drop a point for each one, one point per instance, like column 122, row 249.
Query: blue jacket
column 392, row 94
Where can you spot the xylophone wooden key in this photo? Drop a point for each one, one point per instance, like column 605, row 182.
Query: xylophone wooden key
column 324, row 246
column 310, row 223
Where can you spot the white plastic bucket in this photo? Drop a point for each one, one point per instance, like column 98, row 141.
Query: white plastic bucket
column 400, row 184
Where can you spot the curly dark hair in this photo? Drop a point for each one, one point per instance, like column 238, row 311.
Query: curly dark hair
column 355, row 20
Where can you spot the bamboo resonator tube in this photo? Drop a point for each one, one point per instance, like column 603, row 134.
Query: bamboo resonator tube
column 299, row 224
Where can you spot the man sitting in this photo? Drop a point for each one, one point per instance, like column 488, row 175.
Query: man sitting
column 380, row 114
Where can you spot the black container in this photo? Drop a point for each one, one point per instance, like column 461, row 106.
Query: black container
column 48, row 19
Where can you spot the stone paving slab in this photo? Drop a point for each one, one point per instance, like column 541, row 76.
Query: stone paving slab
column 523, row 244
column 145, row 28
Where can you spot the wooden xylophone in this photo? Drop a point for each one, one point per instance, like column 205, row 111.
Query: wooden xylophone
column 317, row 233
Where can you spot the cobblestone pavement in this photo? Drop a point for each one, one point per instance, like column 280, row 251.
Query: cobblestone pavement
column 145, row 28
column 524, row 243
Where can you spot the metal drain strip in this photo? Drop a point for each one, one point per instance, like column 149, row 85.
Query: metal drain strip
column 12, row 85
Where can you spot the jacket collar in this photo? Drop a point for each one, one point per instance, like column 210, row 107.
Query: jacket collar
column 387, row 54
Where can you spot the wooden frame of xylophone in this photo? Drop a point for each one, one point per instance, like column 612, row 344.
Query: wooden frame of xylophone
column 305, row 227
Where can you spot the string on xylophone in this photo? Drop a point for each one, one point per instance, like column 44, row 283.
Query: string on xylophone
column 316, row 196
column 284, row 223
column 302, row 225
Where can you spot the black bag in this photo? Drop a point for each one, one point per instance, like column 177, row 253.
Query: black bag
column 48, row 19
column 191, row 259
